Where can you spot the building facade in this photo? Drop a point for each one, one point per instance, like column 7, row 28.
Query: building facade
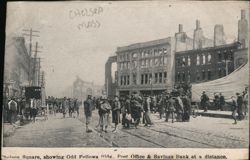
column 145, row 68
column 155, row 66
column 201, row 65
column 17, row 67
column 81, row 89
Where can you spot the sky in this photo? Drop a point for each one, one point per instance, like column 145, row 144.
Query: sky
column 70, row 49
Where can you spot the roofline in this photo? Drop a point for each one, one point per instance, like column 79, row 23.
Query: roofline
column 209, row 48
column 143, row 44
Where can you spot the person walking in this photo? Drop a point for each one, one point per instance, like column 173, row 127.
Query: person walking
column 161, row 105
column 234, row 109
column 12, row 105
column 170, row 109
column 187, row 108
column 33, row 110
column 64, row 105
column 127, row 114
column 245, row 102
column 116, row 107
column 136, row 109
column 146, row 111
column 88, row 107
column 240, row 106
column 179, row 108
column 204, row 101
column 104, row 112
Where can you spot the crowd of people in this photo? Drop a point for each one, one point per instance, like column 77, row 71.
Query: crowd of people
column 133, row 109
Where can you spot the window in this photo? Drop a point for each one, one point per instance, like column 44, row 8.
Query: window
column 183, row 62
column 160, row 77
column 161, row 61
column 209, row 75
column 150, row 78
column 128, row 65
column 197, row 75
column 156, row 77
column 189, row 77
column 156, row 62
column 165, row 60
column 142, row 79
column 219, row 73
column 203, row 59
column 198, row 60
column 134, row 64
column 164, row 50
column 160, row 52
column 178, row 62
column 165, row 77
column 203, row 75
column 149, row 62
column 146, row 78
column 183, row 77
column 127, row 80
column 209, row 58
column 121, row 80
column 219, row 57
column 189, row 61
column 178, row 77
column 134, row 55
column 134, row 78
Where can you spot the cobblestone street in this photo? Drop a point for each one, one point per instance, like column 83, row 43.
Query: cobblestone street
column 202, row 132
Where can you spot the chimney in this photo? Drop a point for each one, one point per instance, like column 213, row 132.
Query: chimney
column 197, row 24
column 243, row 14
column 180, row 28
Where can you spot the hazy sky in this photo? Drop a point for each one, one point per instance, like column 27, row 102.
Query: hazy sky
column 69, row 51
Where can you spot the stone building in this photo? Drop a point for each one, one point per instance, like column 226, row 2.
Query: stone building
column 16, row 66
column 145, row 68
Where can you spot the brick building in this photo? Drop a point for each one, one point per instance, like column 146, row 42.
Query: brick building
column 145, row 68
column 195, row 66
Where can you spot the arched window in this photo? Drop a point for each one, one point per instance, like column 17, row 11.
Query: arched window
column 183, row 62
column 209, row 58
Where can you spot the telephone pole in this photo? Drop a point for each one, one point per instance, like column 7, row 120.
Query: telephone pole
column 30, row 33
column 35, row 66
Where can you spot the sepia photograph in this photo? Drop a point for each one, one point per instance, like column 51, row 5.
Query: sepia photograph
column 130, row 74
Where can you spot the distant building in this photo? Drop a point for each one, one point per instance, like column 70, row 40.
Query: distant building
column 81, row 89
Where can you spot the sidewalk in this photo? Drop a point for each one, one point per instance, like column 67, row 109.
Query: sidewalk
column 216, row 114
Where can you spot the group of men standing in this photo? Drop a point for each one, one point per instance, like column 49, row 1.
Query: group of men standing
column 133, row 108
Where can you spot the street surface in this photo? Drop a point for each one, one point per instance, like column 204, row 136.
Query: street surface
column 200, row 132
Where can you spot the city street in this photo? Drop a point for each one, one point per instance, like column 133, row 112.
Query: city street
column 200, row 132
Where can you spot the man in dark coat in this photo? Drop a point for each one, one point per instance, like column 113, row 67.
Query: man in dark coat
column 234, row 109
column 116, row 107
column 187, row 108
column 222, row 102
column 126, row 113
column 204, row 101
column 88, row 107
column 170, row 109
column 240, row 106
column 136, row 110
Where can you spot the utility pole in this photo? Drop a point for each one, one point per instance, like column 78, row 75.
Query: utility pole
column 35, row 69
column 30, row 34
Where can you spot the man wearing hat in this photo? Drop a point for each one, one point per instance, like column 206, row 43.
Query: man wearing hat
column 204, row 101
column 104, row 113
column 240, row 106
column 116, row 106
column 88, row 105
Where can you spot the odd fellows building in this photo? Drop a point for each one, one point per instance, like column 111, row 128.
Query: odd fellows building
column 145, row 68
column 206, row 61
